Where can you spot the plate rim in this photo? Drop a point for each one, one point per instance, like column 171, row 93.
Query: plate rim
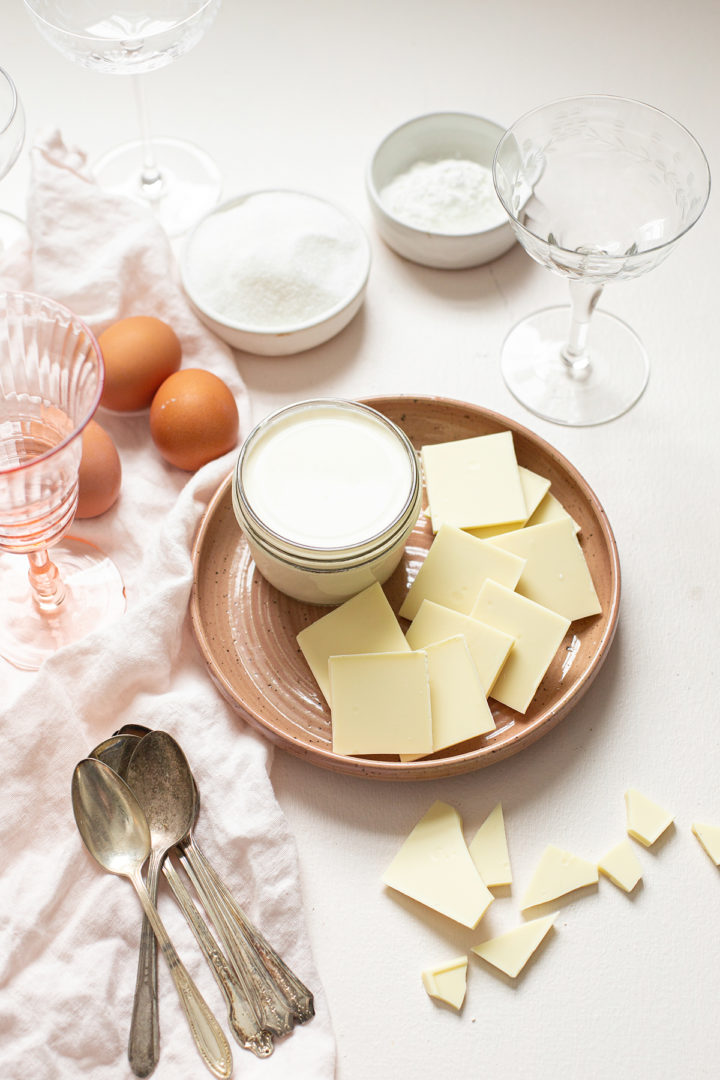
column 464, row 762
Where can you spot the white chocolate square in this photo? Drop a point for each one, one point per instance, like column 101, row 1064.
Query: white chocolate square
column 454, row 570
column 474, row 482
column 364, row 624
column 457, row 699
column 555, row 574
column 538, row 633
column 534, row 488
column 381, row 703
column 488, row 647
column 550, row 509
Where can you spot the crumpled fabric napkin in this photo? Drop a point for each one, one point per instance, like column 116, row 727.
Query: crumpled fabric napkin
column 68, row 930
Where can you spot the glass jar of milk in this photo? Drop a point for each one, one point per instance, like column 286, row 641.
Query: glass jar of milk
column 327, row 493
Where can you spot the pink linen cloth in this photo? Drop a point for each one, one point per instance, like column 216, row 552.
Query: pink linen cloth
column 68, row 930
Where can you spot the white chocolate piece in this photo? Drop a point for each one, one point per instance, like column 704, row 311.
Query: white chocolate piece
column 709, row 837
column 558, row 872
column 622, row 866
column 550, row 509
column 534, row 489
column 488, row 647
column 646, row 821
column 458, row 704
column 454, row 570
column 434, row 867
column 474, row 482
column 538, row 633
column 381, row 703
column 511, row 951
column 447, row 982
column 555, row 574
column 364, row 624
column 489, row 851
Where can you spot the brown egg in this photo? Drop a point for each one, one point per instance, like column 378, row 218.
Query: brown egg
column 139, row 353
column 193, row 418
column 100, row 472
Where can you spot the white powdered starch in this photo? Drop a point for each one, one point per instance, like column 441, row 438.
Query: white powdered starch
column 276, row 259
column 449, row 196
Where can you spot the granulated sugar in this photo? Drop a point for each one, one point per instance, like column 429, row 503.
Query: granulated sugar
column 276, row 259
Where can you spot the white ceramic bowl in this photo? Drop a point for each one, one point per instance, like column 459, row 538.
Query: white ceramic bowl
column 431, row 138
column 234, row 269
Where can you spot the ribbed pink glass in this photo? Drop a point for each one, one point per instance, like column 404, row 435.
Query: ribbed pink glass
column 51, row 379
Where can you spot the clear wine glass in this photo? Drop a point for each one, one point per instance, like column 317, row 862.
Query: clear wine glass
column 12, row 136
column 598, row 189
column 177, row 179
column 51, row 378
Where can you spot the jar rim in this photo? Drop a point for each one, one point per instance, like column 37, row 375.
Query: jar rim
column 282, row 546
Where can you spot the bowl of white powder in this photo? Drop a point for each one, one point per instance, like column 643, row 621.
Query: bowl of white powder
column 276, row 272
column 431, row 191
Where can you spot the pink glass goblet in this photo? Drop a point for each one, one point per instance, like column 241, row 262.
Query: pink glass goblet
column 51, row 378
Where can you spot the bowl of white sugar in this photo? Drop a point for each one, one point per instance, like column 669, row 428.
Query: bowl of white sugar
column 431, row 191
column 276, row 272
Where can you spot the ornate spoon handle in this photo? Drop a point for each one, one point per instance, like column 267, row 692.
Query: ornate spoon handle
column 207, row 1033
column 272, row 1010
column 240, row 1013
column 144, row 1039
column 293, row 989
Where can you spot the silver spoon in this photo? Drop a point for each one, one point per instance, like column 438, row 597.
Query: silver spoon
column 281, row 998
column 116, row 834
column 153, row 779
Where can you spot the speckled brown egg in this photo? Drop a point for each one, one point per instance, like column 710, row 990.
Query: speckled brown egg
column 100, row 473
column 139, row 353
column 193, row 418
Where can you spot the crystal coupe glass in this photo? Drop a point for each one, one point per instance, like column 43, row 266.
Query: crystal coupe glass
column 51, row 379
column 174, row 177
column 12, row 136
column 597, row 189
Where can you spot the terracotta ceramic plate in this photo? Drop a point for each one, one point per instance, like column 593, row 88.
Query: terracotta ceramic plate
column 246, row 629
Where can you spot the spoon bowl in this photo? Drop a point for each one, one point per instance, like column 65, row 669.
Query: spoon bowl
column 110, row 819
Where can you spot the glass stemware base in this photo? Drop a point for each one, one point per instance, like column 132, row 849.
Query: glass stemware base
column 604, row 385
column 94, row 594
column 12, row 229
column 180, row 187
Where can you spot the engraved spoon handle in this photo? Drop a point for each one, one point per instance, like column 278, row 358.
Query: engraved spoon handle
column 240, row 1013
column 272, row 1010
column 207, row 1033
column 293, row 989
column 144, row 1038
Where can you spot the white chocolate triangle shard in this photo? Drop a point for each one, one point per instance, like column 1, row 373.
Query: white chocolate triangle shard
column 709, row 837
column 511, row 951
column 489, row 850
column 558, row 872
column 447, row 982
column 646, row 821
column 434, row 867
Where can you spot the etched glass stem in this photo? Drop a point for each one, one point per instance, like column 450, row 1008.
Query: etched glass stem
column 151, row 179
column 584, row 297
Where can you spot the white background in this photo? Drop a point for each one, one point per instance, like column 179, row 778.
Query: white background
column 298, row 93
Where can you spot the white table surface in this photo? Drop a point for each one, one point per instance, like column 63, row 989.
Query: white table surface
column 298, row 94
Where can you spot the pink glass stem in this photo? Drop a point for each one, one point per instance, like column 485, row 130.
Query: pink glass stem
column 47, row 587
